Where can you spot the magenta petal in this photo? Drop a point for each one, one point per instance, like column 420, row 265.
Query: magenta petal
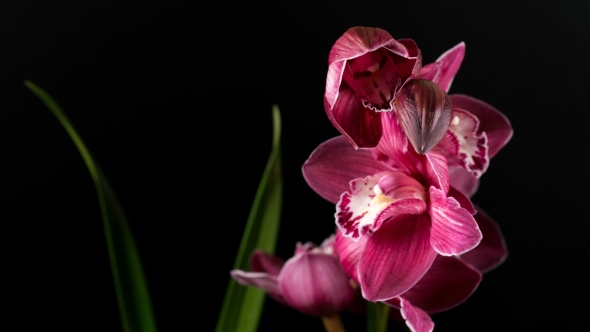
column 361, row 126
column 395, row 257
column 449, row 63
column 463, row 200
column 454, row 230
column 349, row 252
column 463, row 180
column 491, row 121
column 353, row 43
column 334, row 163
column 437, row 171
column 264, row 281
column 491, row 252
column 316, row 284
column 416, row 319
column 448, row 283
column 263, row 262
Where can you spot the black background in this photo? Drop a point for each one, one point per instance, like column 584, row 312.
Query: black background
column 174, row 100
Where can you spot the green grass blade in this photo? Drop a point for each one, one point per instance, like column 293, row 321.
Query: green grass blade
column 242, row 306
column 377, row 317
column 130, row 284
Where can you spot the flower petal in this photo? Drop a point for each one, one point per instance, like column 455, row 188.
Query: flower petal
column 424, row 112
column 367, row 206
column 463, row 180
column 437, row 171
column 355, row 42
column 316, row 284
column 334, row 163
column 349, row 252
column 448, row 283
column 495, row 124
column 448, row 64
column 264, row 281
column 361, row 126
column 395, row 257
column 454, row 230
column 416, row 319
column 263, row 262
column 491, row 252
column 473, row 144
column 463, row 200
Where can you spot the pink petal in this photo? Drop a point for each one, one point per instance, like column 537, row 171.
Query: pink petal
column 463, row 200
column 367, row 206
column 264, row 281
column 449, row 63
column 416, row 319
column 448, row 283
column 349, row 252
column 491, row 252
column 454, row 230
column 361, row 126
column 393, row 148
column 424, row 111
column 438, row 174
column 316, row 284
column 332, row 165
column 492, row 122
column 263, row 262
column 473, row 144
column 395, row 257
column 463, row 180
column 353, row 43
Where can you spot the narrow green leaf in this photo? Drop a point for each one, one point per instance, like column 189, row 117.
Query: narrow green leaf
column 242, row 306
column 131, row 288
column 377, row 317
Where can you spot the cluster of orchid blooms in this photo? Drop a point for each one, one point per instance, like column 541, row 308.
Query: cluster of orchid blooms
column 401, row 176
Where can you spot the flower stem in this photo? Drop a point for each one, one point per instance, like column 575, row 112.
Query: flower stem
column 333, row 324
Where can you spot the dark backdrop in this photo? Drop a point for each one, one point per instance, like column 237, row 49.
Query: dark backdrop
column 174, row 100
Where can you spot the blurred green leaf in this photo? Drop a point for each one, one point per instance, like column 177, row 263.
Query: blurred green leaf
column 377, row 317
column 130, row 283
column 242, row 305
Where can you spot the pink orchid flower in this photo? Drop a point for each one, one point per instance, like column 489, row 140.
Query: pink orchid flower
column 477, row 130
column 402, row 199
column 366, row 70
column 448, row 282
column 312, row 281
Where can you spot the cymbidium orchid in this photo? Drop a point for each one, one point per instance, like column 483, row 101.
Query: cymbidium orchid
column 368, row 70
column 402, row 199
column 312, row 281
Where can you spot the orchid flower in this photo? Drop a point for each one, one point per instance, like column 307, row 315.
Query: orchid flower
column 477, row 130
column 367, row 69
column 448, row 282
column 312, row 281
column 402, row 199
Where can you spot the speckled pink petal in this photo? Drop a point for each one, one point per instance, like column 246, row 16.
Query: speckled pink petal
column 495, row 124
column 374, row 199
column 473, row 144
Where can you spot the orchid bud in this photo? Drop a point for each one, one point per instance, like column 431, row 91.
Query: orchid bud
column 425, row 112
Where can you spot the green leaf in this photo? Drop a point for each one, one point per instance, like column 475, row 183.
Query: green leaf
column 130, row 283
column 377, row 317
column 242, row 306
